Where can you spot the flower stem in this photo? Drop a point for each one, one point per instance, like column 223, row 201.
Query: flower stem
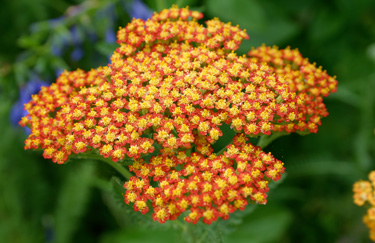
column 120, row 169
column 180, row 225
column 265, row 140
column 222, row 150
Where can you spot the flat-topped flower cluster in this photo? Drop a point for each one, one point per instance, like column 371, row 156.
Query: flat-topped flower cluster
column 171, row 85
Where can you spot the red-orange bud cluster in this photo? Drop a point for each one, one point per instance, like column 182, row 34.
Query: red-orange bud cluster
column 364, row 193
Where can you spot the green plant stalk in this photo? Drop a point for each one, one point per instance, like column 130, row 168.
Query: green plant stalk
column 117, row 166
column 265, row 140
column 223, row 149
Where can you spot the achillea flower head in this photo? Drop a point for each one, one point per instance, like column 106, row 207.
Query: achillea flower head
column 308, row 82
column 364, row 193
column 171, row 85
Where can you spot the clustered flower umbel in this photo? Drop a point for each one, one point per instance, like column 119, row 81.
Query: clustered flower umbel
column 172, row 84
column 364, row 193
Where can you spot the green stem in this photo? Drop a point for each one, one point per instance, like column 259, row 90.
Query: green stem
column 180, row 225
column 120, row 169
column 265, row 140
column 223, row 149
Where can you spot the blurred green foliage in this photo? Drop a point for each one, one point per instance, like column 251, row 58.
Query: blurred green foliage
column 44, row 202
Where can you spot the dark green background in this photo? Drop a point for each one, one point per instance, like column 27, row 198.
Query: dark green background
column 44, row 202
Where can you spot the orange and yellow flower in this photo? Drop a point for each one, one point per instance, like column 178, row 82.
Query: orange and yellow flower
column 364, row 193
column 171, row 85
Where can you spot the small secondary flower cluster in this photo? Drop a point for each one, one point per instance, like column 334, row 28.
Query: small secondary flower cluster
column 309, row 83
column 364, row 192
column 213, row 186
column 171, row 86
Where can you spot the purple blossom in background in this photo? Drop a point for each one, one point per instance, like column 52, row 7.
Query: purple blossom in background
column 75, row 35
column 139, row 10
column 54, row 23
column 91, row 35
column 110, row 31
column 59, row 71
column 110, row 34
column 76, row 40
column 58, row 43
column 18, row 111
column 76, row 54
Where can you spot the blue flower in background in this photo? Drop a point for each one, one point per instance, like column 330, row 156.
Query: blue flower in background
column 76, row 54
column 76, row 41
column 136, row 9
column 110, row 34
column 139, row 10
column 60, row 43
column 59, row 71
column 18, row 111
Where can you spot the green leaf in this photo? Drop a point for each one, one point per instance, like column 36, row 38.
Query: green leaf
column 371, row 52
column 72, row 202
column 41, row 64
column 347, row 96
column 216, row 231
column 106, row 49
column 140, row 235
column 321, row 166
column 123, row 213
column 264, row 22
column 29, row 41
column 249, row 14
column 23, row 187
column 21, row 72
column 265, row 224
column 224, row 140
column 59, row 63
column 326, row 25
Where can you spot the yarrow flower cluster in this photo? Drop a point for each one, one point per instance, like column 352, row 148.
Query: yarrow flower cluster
column 171, row 86
column 364, row 193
